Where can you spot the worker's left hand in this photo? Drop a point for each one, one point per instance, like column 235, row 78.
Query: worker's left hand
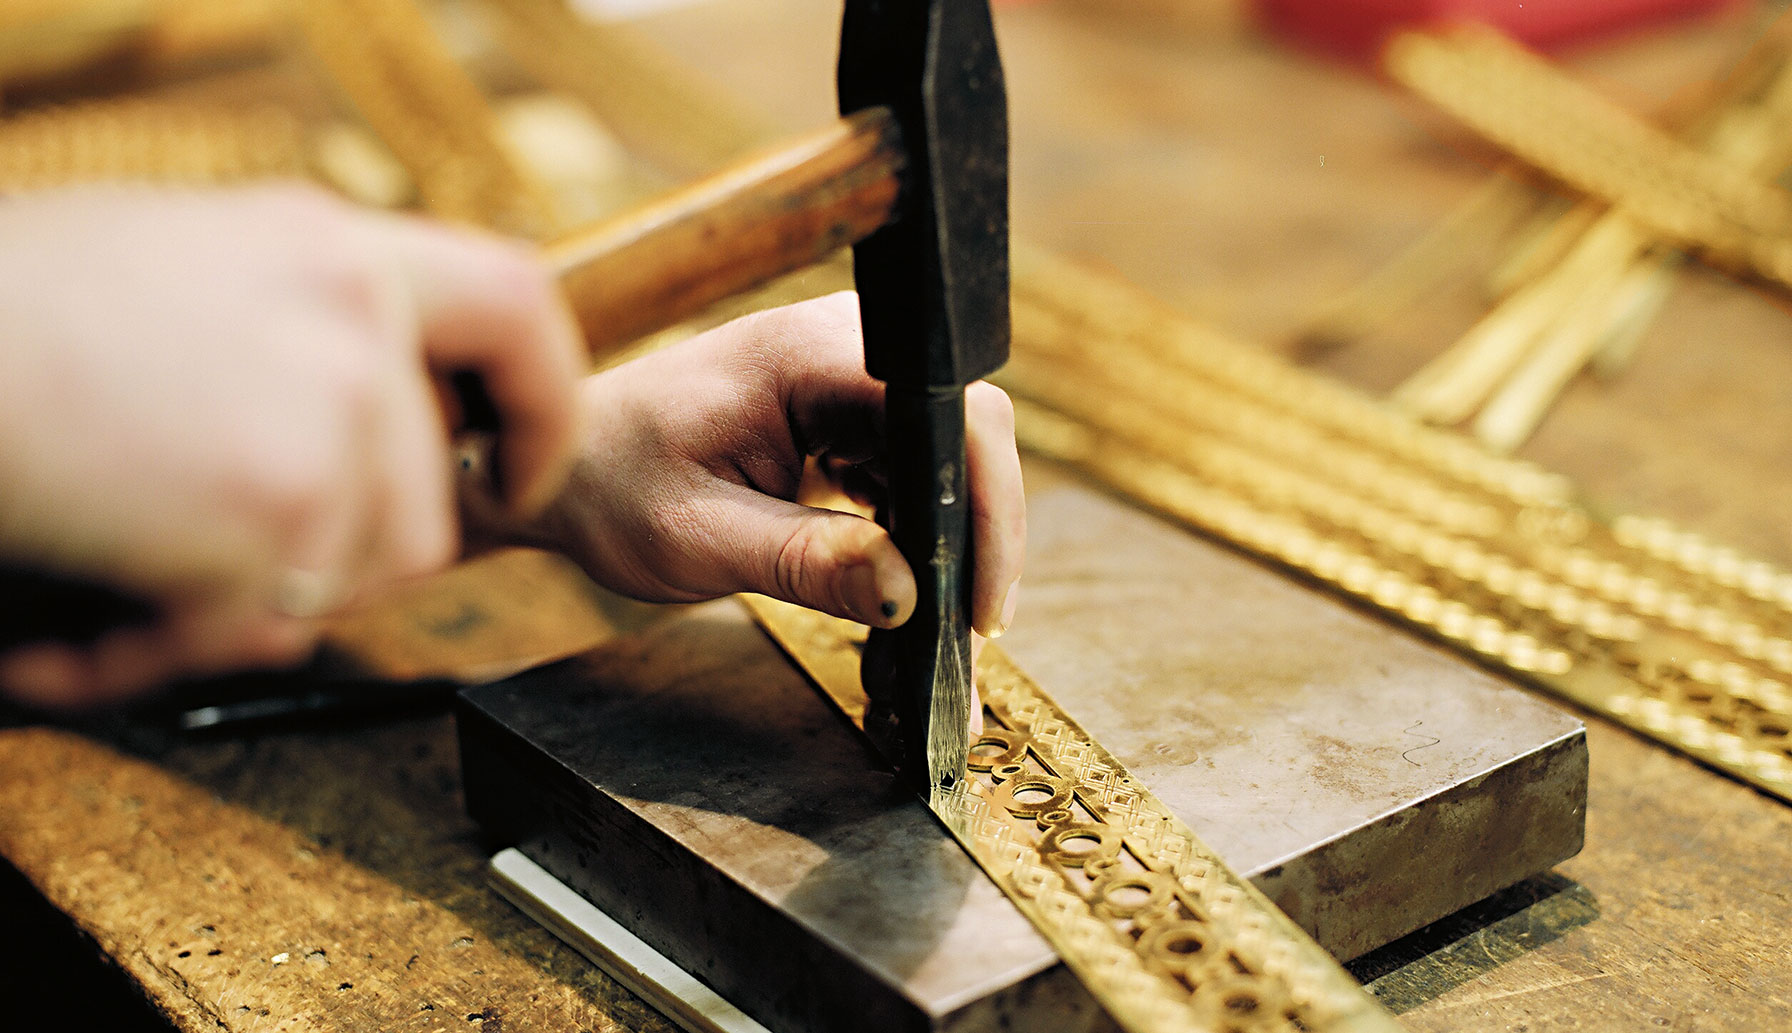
column 687, row 482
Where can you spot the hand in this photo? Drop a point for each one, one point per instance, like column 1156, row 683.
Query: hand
column 693, row 456
column 228, row 405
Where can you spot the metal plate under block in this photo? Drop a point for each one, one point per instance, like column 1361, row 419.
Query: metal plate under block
column 692, row 785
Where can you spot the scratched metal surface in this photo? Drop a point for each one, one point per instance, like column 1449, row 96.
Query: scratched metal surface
column 1368, row 782
column 709, row 799
column 1280, row 724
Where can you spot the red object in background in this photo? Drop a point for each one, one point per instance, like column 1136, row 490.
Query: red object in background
column 1358, row 27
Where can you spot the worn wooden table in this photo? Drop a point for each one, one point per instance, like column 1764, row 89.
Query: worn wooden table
column 322, row 880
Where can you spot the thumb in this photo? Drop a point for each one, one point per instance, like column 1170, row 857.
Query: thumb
column 837, row 563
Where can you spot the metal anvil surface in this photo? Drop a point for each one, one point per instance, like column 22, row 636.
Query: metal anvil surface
column 688, row 781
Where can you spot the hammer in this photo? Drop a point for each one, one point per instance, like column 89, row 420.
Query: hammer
column 933, row 299
column 915, row 176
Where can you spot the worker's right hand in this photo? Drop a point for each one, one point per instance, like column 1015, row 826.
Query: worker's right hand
column 228, row 404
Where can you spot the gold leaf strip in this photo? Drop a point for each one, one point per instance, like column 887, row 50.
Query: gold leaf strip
column 1530, row 108
column 160, row 141
column 1731, row 116
column 386, row 58
column 1677, row 638
column 1161, row 932
column 659, row 110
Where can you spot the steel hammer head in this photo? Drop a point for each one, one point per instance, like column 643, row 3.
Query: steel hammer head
column 933, row 283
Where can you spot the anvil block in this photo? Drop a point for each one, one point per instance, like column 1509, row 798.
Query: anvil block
column 689, row 782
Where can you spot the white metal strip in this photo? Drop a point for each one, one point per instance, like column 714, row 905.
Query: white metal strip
column 679, row 995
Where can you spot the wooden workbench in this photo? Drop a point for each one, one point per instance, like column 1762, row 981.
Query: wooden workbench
column 325, row 880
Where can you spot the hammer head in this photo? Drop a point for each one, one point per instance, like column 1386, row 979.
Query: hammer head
column 933, row 283
column 933, row 297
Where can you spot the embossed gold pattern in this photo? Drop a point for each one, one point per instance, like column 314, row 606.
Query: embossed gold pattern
column 1522, row 103
column 383, row 55
column 152, row 140
column 1161, row 932
column 1680, row 639
column 386, row 58
column 1583, row 283
column 651, row 104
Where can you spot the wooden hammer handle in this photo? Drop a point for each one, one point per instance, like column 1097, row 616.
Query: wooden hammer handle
column 771, row 214
column 626, row 277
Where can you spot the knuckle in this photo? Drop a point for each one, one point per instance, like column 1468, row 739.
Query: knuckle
column 355, row 382
column 837, row 318
column 326, row 421
column 521, row 279
column 840, row 308
column 427, row 548
column 292, row 487
column 282, row 644
column 360, row 293
column 819, row 331
column 510, row 276
column 528, row 290
column 295, row 508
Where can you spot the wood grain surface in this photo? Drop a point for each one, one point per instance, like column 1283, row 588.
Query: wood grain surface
column 329, row 880
column 753, row 221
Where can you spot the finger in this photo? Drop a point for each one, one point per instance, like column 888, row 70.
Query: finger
column 977, row 642
column 998, row 507
column 129, row 663
column 114, row 667
column 50, row 676
column 837, row 563
column 835, row 406
column 413, row 519
column 335, row 534
column 491, row 308
column 240, row 631
column 864, row 483
column 832, row 483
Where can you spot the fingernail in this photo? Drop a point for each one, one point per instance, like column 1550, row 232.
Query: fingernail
column 1009, row 602
column 894, row 587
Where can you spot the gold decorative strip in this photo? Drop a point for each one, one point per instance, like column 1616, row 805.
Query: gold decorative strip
column 658, row 110
column 58, row 40
column 1503, row 205
column 1566, row 305
column 1159, row 930
column 386, row 58
column 160, row 141
column 1664, row 632
column 1528, row 107
column 1582, row 287
column 51, row 37
column 1732, row 115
